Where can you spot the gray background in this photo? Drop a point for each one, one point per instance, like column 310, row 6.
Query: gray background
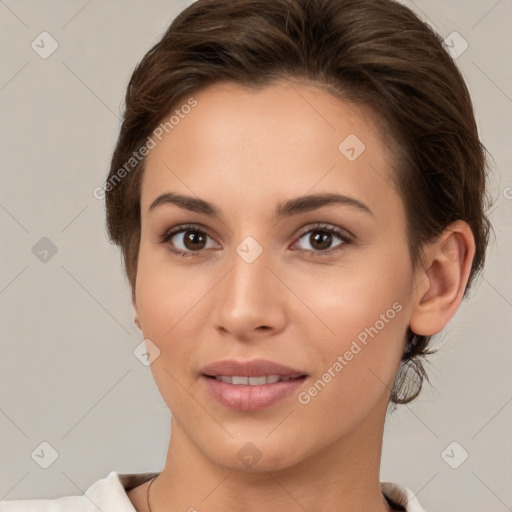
column 68, row 375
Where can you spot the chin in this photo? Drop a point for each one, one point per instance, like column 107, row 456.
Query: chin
column 252, row 454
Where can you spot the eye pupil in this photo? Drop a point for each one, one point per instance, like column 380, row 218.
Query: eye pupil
column 192, row 238
column 324, row 240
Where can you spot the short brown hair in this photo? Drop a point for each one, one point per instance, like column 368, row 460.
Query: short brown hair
column 376, row 53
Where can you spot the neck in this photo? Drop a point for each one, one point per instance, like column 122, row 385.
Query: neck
column 343, row 476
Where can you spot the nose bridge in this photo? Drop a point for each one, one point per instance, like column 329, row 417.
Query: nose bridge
column 248, row 278
column 247, row 300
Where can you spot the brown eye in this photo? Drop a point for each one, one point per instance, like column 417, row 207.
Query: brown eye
column 186, row 241
column 194, row 240
column 321, row 238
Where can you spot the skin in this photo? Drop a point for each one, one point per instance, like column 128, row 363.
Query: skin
column 245, row 151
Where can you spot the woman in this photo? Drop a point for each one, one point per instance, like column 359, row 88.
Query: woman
column 298, row 191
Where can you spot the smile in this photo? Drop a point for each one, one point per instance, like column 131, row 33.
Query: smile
column 238, row 380
column 245, row 393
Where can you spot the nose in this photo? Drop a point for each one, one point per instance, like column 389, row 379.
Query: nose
column 250, row 301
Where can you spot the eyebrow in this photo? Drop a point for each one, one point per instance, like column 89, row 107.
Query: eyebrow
column 285, row 209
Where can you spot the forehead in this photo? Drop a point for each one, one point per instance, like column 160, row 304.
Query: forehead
column 253, row 147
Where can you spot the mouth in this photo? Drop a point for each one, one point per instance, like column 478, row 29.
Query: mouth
column 251, row 385
column 245, row 393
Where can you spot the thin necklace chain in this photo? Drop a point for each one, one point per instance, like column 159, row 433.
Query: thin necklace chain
column 149, row 487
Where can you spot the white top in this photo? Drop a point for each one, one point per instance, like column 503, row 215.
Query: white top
column 109, row 495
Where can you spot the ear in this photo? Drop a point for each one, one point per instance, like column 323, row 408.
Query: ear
column 442, row 280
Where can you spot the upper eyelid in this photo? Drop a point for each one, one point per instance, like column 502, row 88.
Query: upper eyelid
column 186, row 227
column 325, row 225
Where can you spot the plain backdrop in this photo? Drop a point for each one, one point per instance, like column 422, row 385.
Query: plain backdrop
column 68, row 373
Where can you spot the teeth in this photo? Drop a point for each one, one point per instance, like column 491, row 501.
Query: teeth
column 239, row 380
column 257, row 381
column 252, row 381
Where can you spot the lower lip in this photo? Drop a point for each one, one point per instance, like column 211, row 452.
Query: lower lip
column 251, row 398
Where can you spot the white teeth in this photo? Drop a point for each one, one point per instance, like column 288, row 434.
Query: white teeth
column 251, row 381
column 257, row 381
column 236, row 379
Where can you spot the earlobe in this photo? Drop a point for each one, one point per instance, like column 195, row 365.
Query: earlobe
column 443, row 281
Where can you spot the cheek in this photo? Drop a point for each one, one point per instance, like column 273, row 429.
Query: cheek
column 363, row 317
column 165, row 300
column 167, row 293
column 348, row 299
column 169, row 306
column 356, row 373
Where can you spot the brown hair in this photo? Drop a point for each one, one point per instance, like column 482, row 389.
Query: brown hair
column 375, row 53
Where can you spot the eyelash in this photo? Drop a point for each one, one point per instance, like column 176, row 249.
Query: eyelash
column 322, row 228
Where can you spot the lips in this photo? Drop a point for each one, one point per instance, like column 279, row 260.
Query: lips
column 250, row 368
column 251, row 385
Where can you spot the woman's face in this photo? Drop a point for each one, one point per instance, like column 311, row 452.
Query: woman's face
column 251, row 284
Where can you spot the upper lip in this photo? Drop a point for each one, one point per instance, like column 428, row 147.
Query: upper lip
column 250, row 368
